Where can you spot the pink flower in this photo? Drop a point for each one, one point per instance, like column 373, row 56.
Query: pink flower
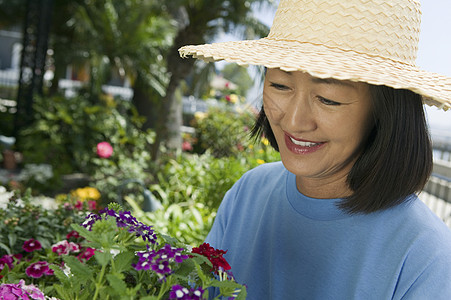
column 9, row 261
column 228, row 98
column 186, row 146
column 78, row 205
column 64, row 247
column 92, row 205
column 72, row 234
column 86, row 255
column 20, row 291
column 31, row 245
column 104, row 150
column 37, row 269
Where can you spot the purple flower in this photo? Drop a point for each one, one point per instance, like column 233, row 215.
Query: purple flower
column 90, row 220
column 6, row 260
column 31, row 245
column 180, row 292
column 37, row 269
column 160, row 260
column 124, row 219
column 20, row 291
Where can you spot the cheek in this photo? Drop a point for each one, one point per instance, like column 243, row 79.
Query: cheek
column 274, row 109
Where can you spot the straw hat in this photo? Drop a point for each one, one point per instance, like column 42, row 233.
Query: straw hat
column 373, row 41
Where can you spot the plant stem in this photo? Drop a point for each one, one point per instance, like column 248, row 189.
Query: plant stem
column 99, row 283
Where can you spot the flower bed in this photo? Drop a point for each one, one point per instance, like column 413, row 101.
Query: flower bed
column 112, row 255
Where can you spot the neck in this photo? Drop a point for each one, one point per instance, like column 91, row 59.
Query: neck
column 323, row 188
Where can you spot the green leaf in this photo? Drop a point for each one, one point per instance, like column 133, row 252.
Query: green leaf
column 80, row 271
column 243, row 293
column 12, row 238
column 62, row 292
column 103, row 258
column 7, row 249
column 60, row 275
column 89, row 235
column 116, row 283
column 122, row 261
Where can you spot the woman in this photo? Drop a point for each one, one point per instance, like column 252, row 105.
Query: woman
column 338, row 217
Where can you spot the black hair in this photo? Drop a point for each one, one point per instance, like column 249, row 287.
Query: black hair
column 396, row 159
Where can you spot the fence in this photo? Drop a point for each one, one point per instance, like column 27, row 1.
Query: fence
column 437, row 192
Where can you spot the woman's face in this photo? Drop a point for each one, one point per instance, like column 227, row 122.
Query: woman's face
column 319, row 126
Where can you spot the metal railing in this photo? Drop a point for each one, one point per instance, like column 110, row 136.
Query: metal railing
column 437, row 192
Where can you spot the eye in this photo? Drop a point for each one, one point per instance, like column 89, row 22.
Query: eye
column 327, row 101
column 280, row 87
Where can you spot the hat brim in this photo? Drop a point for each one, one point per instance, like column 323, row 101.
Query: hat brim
column 324, row 62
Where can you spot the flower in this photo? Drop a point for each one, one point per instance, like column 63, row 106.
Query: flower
column 73, row 234
column 64, row 247
column 186, row 146
column 104, row 150
column 37, row 269
column 9, row 260
column 180, row 292
column 86, row 193
column 215, row 256
column 159, row 261
column 124, row 219
column 31, row 245
column 260, row 161
column 20, row 291
column 86, row 254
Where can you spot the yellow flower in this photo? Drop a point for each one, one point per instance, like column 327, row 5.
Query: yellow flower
column 251, row 146
column 265, row 141
column 86, row 193
column 234, row 98
column 260, row 161
column 200, row 115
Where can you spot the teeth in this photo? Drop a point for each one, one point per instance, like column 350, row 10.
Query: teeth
column 303, row 144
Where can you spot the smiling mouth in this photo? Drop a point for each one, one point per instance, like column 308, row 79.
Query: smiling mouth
column 303, row 144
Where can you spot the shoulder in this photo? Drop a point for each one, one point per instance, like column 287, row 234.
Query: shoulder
column 257, row 182
column 265, row 171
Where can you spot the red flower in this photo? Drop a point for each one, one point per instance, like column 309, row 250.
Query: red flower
column 72, row 234
column 104, row 149
column 186, row 146
column 31, row 245
column 86, row 254
column 92, row 205
column 213, row 255
column 38, row 269
column 78, row 205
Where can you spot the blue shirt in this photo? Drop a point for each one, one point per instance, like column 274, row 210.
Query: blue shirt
column 284, row 245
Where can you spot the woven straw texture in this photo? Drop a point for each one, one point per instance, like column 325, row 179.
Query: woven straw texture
column 373, row 41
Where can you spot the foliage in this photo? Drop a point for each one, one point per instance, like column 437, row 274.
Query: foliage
column 115, row 256
column 25, row 217
column 205, row 178
column 224, row 132
column 68, row 131
column 189, row 222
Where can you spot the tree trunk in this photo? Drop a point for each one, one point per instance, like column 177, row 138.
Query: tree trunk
column 179, row 69
column 143, row 101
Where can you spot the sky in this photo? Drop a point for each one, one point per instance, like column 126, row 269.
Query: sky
column 434, row 52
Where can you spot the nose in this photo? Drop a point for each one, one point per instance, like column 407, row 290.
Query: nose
column 299, row 115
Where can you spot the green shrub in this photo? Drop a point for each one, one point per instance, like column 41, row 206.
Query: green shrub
column 66, row 132
column 225, row 132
